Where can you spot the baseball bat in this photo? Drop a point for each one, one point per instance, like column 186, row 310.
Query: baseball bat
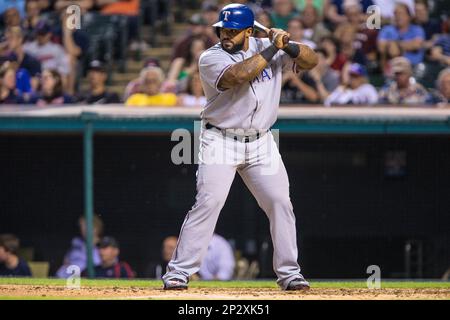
column 261, row 27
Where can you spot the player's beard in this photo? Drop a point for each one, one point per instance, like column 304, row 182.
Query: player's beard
column 237, row 47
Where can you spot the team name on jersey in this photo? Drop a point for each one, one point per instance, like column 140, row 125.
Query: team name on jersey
column 265, row 75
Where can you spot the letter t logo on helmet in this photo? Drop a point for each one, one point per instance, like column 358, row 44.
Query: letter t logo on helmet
column 225, row 15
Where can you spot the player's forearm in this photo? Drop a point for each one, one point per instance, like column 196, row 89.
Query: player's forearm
column 246, row 70
column 304, row 56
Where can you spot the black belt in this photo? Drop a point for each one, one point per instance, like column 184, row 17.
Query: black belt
column 243, row 138
column 210, row 126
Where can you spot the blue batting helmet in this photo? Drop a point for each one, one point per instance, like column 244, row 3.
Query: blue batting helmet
column 235, row 16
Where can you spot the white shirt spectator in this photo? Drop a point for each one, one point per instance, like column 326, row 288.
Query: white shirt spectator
column 77, row 255
column 364, row 94
column 51, row 56
column 387, row 7
column 193, row 101
column 219, row 262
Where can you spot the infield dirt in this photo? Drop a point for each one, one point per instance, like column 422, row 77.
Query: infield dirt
column 60, row 292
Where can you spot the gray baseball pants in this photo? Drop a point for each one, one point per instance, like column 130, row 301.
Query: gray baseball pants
column 259, row 164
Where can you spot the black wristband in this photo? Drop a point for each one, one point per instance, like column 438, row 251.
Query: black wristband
column 293, row 50
column 269, row 52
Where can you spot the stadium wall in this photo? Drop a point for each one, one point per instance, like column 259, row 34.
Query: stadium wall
column 358, row 198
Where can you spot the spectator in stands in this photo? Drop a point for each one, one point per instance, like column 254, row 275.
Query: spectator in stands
column 76, row 44
column 11, row 18
column 402, row 38
column 8, row 92
column 33, row 16
column 334, row 14
column 263, row 17
column 443, row 84
column 119, row 7
column 326, row 79
column 314, row 29
column 10, row 263
column 51, row 90
column 77, row 252
column 219, row 261
column 334, row 10
column 195, row 96
column 334, row 58
column 441, row 96
column 151, row 95
column 156, row 270
column 47, row 6
column 282, row 12
column 98, row 94
column 50, row 55
column 181, row 68
column 16, row 52
column 295, row 29
column 348, row 50
column 342, row 52
column 387, row 8
column 319, row 5
column 440, row 52
column 298, row 88
column 364, row 39
column 134, row 86
column 357, row 92
column 111, row 266
column 430, row 26
column 198, row 29
column 23, row 80
column 210, row 13
column 18, row 5
column 129, row 8
column 404, row 89
column 85, row 5
column 168, row 247
column 255, row 6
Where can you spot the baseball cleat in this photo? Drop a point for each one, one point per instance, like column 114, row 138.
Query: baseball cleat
column 175, row 284
column 298, row 284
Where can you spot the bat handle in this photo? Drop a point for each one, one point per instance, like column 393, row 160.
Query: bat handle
column 285, row 38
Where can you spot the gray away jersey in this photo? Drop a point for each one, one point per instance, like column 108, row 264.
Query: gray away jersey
column 252, row 105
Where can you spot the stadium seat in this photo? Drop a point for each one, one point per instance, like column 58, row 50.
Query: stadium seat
column 39, row 269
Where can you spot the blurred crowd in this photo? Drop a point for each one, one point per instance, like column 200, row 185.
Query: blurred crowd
column 219, row 262
column 404, row 60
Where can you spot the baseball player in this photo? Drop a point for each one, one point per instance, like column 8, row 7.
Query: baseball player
column 241, row 77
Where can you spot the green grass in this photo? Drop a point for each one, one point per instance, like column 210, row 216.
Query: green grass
column 226, row 284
